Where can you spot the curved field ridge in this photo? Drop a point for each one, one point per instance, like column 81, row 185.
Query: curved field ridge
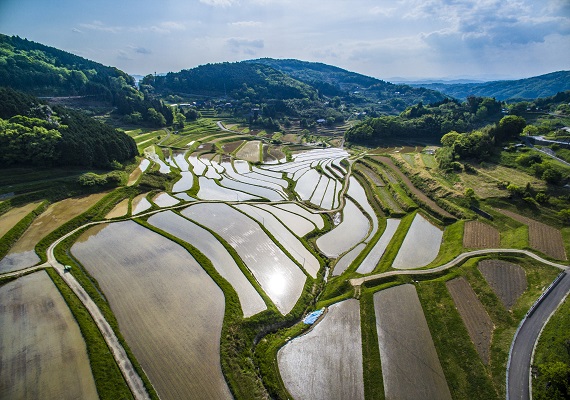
column 476, row 320
column 251, row 301
column 542, row 237
column 507, row 280
column 420, row 246
column 42, row 352
column 478, row 235
column 326, row 363
column 410, row 366
column 277, row 275
column 372, row 259
column 169, row 310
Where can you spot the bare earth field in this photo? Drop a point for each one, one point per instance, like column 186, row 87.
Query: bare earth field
column 326, row 363
column 542, row 237
column 507, row 280
column 410, row 366
column 22, row 254
column 119, row 210
column 249, row 152
column 473, row 314
column 232, row 146
column 12, row 217
column 478, row 235
column 42, row 352
column 169, row 310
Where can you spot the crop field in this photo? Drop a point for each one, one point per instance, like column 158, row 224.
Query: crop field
column 169, row 310
column 372, row 259
column 22, row 254
column 251, row 301
column 507, row 280
column 372, row 175
column 250, row 151
column 284, row 237
column 230, row 147
column 542, row 237
column 388, row 201
column 478, row 235
column 13, row 216
column 140, row 204
column 473, row 314
column 352, row 230
column 410, row 366
column 326, row 363
column 277, row 275
column 420, row 246
column 42, row 352
column 119, row 210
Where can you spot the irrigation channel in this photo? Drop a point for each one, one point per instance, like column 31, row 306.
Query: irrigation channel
column 516, row 387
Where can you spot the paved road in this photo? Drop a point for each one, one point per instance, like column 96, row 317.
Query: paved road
column 518, row 371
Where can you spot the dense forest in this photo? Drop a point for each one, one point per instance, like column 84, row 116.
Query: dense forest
column 522, row 89
column 33, row 133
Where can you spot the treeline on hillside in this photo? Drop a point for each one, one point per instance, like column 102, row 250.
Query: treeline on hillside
column 426, row 121
column 33, row 133
column 46, row 71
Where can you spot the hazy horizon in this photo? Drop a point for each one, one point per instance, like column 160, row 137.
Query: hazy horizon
column 409, row 39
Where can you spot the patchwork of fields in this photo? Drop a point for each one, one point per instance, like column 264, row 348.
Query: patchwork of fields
column 278, row 230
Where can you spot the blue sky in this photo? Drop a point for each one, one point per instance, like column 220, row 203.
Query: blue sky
column 490, row 39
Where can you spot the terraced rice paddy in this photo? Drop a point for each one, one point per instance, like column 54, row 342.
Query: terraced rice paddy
column 12, row 217
column 303, row 212
column 140, row 204
column 299, row 225
column 210, row 190
column 22, row 254
column 357, row 192
column 410, row 365
column 371, row 260
column 284, row 237
column 476, row 320
column 185, row 182
column 478, row 235
column 138, row 171
column 352, row 230
column 326, row 363
column 42, row 352
column 250, row 151
column 277, row 275
column 251, row 301
column 198, row 167
column 507, row 280
column 165, row 200
column 169, row 310
column 420, row 246
column 119, row 210
column 344, row 262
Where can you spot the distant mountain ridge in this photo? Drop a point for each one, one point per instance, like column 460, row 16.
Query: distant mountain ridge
column 522, row 89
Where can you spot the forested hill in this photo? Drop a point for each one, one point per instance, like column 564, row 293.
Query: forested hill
column 34, row 134
column 237, row 80
column 522, row 89
column 334, row 81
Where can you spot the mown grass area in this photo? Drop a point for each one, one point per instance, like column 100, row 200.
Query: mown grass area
column 109, row 381
column 552, row 353
column 451, row 245
column 372, row 368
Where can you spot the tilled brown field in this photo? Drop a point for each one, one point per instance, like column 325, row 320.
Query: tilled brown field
column 42, row 352
column 507, row 280
column 542, row 237
column 474, row 315
column 12, row 217
column 478, row 235
column 410, row 366
column 232, row 146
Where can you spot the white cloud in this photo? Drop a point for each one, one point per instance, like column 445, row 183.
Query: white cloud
column 246, row 24
column 218, row 3
column 245, row 46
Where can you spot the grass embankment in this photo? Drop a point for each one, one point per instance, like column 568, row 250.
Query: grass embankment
column 106, row 373
column 372, row 368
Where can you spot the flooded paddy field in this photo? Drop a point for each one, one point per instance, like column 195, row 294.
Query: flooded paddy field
column 344, row 262
column 307, row 184
column 140, row 204
column 165, row 200
column 169, row 310
column 119, row 210
column 326, row 363
column 352, row 230
column 299, row 225
column 259, row 191
column 357, row 192
column 22, row 254
column 410, row 365
column 12, row 217
column 284, row 237
column 420, row 246
column 210, row 190
column 42, row 352
column 371, row 260
column 251, row 301
column 138, row 171
column 185, row 182
column 315, row 218
column 198, row 167
column 277, row 275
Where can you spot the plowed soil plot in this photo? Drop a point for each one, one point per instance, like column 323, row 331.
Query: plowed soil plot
column 232, row 146
column 478, row 235
column 42, row 352
column 418, row 193
column 250, row 151
column 420, row 246
column 473, row 314
column 542, row 237
column 22, row 254
column 507, row 280
column 410, row 366
column 169, row 310
column 326, row 363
